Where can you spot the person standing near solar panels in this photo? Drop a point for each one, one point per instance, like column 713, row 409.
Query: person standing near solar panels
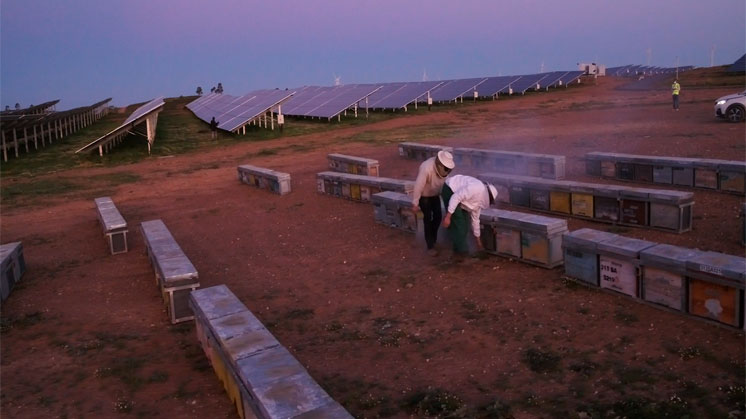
column 427, row 187
column 465, row 197
column 214, row 128
column 675, row 90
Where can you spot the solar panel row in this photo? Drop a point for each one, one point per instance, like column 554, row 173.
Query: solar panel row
column 328, row 102
column 400, row 95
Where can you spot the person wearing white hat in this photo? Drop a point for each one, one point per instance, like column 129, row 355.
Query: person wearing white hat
column 430, row 180
column 462, row 195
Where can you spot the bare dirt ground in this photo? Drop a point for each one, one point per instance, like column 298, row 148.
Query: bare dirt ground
column 387, row 330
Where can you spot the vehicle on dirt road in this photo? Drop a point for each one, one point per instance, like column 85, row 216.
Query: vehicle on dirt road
column 731, row 107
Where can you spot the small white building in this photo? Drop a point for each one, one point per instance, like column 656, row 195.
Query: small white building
column 592, row 69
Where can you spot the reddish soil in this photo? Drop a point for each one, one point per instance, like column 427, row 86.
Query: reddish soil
column 377, row 322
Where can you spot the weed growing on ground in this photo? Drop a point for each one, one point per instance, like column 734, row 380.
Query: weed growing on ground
column 20, row 322
column 541, row 361
column 625, row 317
column 435, row 402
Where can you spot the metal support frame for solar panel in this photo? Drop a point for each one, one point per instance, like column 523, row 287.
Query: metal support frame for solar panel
column 44, row 108
column 453, row 90
column 51, row 125
column 147, row 113
column 234, row 113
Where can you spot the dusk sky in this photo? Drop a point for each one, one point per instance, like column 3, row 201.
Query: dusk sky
column 83, row 51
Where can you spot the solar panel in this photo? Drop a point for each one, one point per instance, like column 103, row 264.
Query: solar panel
column 144, row 109
column 328, row 102
column 454, row 89
column 552, row 79
column 399, row 95
column 136, row 118
column 570, row 77
column 526, row 82
column 493, row 85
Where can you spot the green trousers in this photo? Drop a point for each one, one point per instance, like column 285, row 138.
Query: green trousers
column 460, row 221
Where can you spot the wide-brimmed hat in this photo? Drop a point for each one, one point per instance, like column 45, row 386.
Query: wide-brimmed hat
column 446, row 159
column 493, row 192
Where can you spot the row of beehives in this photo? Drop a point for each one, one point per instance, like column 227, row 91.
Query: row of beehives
column 705, row 284
column 359, row 187
column 639, row 207
column 721, row 175
column 262, row 378
column 279, row 182
column 700, row 283
column 509, row 162
column 530, row 238
column 12, row 267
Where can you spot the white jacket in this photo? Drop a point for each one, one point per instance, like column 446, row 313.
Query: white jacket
column 428, row 183
column 471, row 193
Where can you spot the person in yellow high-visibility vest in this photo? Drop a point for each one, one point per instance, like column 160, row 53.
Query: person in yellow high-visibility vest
column 675, row 89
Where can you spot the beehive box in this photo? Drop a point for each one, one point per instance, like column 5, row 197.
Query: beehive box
column 643, row 173
column 12, row 267
column 664, row 275
column 683, row 174
column 593, row 164
column 582, row 199
column 625, row 170
column 618, row 264
column 606, row 203
column 580, row 249
column 706, row 173
column 634, row 206
column 662, row 174
column 541, row 242
column 671, row 210
column 731, row 177
column 520, row 195
column 716, row 286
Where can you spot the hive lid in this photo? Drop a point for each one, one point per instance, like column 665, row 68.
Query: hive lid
column 719, row 264
column 624, row 246
column 586, row 238
column 668, row 255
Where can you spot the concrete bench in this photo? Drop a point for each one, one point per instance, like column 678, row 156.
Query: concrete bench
column 700, row 283
column 639, row 207
column 263, row 178
column 12, row 267
column 262, row 378
column 113, row 224
column 720, row 175
column 359, row 187
column 351, row 164
column 174, row 273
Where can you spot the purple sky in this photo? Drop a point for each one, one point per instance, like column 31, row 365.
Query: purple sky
column 83, row 51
